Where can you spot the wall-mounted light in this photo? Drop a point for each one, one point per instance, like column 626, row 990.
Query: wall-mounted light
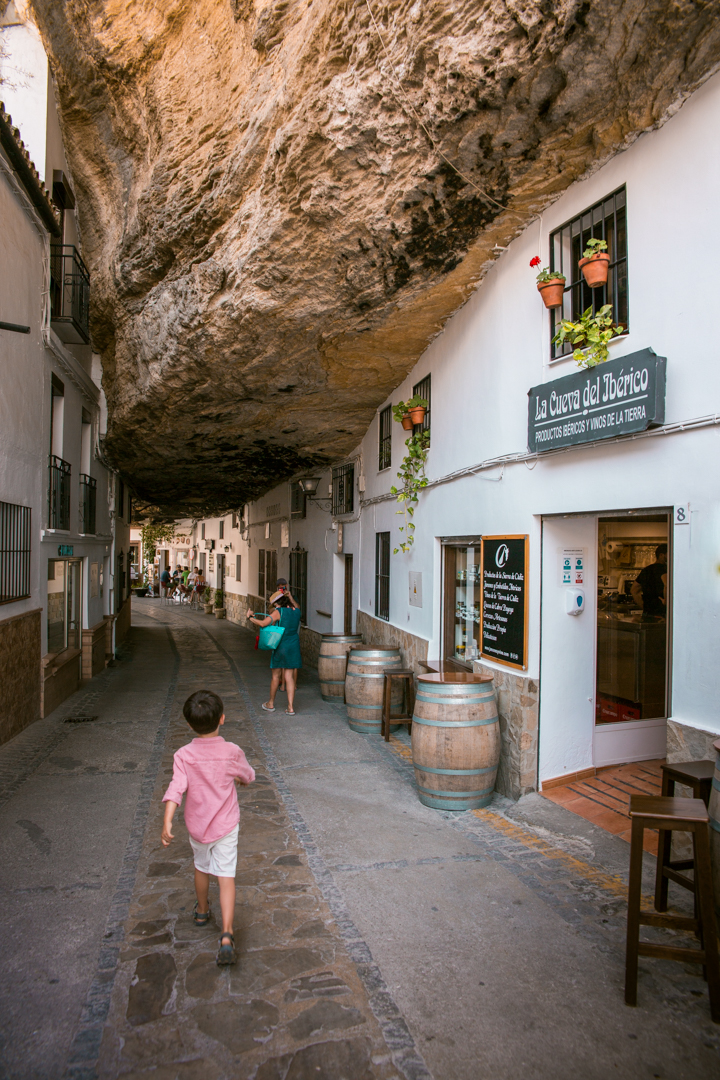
column 309, row 485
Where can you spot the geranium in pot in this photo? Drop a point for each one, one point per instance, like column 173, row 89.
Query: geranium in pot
column 595, row 262
column 550, row 283
column 589, row 336
column 402, row 415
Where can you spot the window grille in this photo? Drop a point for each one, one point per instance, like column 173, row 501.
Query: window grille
column 422, row 389
column 69, row 295
column 298, row 581
column 261, row 573
column 382, row 575
column 88, row 502
column 606, row 220
column 297, row 500
column 385, row 444
column 59, row 496
column 14, row 552
column 343, row 489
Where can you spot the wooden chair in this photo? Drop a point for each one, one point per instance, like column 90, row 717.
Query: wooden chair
column 668, row 814
column 407, row 677
column 696, row 775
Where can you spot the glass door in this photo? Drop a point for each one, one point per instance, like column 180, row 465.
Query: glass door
column 64, row 593
column 461, row 623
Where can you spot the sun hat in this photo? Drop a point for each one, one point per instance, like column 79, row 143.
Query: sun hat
column 276, row 596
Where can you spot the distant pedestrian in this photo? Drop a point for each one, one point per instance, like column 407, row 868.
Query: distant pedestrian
column 165, row 582
column 207, row 769
column 286, row 659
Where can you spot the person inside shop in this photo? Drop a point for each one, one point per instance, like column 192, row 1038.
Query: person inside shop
column 648, row 589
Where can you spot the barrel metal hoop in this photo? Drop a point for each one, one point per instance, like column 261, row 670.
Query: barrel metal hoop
column 363, row 675
column 466, row 700
column 350, row 705
column 332, row 682
column 454, row 723
column 455, row 772
column 714, row 824
column 716, row 784
column 442, row 793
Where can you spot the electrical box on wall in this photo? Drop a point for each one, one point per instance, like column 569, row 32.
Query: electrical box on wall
column 574, row 601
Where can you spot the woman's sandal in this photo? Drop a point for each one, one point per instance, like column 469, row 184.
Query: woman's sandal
column 290, row 712
column 226, row 954
column 201, row 918
column 268, row 708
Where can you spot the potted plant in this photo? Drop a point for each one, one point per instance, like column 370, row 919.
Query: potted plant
column 551, row 284
column 219, row 604
column 595, row 262
column 208, row 601
column 402, row 415
column 589, row 336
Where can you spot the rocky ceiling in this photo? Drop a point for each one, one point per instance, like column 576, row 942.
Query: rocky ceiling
column 281, row 203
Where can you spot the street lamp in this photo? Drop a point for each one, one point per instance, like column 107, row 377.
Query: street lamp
column 309, row 485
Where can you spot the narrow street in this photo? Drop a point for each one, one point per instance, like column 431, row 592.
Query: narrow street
column 377, row 938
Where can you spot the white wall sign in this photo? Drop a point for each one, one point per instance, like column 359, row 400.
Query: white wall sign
column 284, row 534
column 339, row 537
column 94, row 579
column 572, row 565
column 682, row 514
column 415, row 578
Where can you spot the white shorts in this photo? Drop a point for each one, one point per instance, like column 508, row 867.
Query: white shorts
column 219, row 857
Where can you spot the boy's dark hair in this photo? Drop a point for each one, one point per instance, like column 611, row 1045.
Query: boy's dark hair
column 203, row 710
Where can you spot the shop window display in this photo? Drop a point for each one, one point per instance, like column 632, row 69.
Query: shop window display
column 462, row 603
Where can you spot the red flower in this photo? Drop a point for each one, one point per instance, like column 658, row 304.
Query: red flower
column 536, row 261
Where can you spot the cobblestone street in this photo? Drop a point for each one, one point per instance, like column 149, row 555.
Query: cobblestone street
column 377, row 938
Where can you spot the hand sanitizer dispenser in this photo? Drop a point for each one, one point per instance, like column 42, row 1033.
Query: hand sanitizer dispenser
column 574, row 601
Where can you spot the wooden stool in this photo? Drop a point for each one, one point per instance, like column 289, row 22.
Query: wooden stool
column 686, row 815
column 405, row 717
column 698, row 776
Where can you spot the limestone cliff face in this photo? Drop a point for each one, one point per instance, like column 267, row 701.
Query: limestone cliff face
column 282, row 202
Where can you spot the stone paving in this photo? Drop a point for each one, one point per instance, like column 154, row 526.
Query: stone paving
column 377, row 938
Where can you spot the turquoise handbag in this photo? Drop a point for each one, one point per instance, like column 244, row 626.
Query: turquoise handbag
column 270, row 636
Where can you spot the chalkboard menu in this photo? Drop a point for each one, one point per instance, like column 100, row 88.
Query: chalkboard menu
column 504, row 599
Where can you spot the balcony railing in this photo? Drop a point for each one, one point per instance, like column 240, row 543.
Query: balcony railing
column 59, row 497
column 88, row 498
column 69, row 295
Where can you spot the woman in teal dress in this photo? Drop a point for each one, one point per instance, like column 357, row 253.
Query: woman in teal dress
column 286, row 659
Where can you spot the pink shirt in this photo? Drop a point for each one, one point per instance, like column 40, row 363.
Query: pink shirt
column 206, row 769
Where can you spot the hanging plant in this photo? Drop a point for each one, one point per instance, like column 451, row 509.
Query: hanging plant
column 409, row 413
column 550, row 283
column 412, row 474
column 589, row 336
column 595, row 263
column 152, row 535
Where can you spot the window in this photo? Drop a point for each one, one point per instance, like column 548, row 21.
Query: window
column 261, row 574
column 14, row 552
column 343, row 489
column 422, row 389
column 607, row 221
column 88, row 501
column 221, row 534
column 461, row 606
column 238, row 567
column 234, row 521
column 59, row 494
column 382, row 575
column 297, row 500
column 385, row 440
column 120, row 508
column 298, row 581
column 202, row 531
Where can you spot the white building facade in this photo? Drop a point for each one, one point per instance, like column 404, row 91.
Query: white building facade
column 63, row 542
column 517, row 525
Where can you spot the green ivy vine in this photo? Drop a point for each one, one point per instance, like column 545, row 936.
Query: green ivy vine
column 152, row 535
column 412, row 474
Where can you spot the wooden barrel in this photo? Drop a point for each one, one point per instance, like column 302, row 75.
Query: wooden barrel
column 332, row 662
column 455, row 740
column 364, row 685
column 714, row 812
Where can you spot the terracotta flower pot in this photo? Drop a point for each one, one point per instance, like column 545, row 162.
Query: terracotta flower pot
column 417, row 415
column 407, row 422
column 219, row 613
column 552, row 292
column 595, row 269
column 208, row 609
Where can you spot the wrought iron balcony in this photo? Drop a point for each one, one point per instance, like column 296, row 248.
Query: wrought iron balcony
column 59, row 496
column 88, row 498
column 69, row 295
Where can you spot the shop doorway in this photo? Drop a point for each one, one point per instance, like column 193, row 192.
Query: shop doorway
column 605, row 671
column 64, row 592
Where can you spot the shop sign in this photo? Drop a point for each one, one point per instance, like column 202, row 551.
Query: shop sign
column 616, row 398
column 65, row 550
column 504, row 599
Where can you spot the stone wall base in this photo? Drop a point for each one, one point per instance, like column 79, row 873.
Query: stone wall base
column 685, row 743
column 518, row 699
column 20, row 690
column 383, row 635
column 93, row 650
column 61, row 678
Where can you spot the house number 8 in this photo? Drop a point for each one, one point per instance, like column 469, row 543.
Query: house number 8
column 682, row 515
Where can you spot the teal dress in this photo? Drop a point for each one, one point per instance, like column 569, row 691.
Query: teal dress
column 287, row 654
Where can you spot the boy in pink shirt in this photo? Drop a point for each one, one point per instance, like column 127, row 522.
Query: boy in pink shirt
column 207, row 769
